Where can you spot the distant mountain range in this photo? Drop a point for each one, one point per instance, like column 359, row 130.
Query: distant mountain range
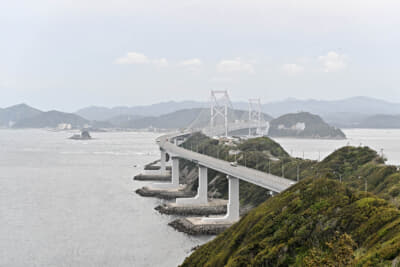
column 9, row 116
column 356, row 112
column 344, row 113
column 355, row 105
column 381, row 121
column 51, row 119
column 104, row 113
column 195, row 117
column 24, row 116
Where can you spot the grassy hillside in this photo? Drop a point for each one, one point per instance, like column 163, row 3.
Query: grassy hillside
column 360, row 167
column 316, row 223
column 253, row 153
column 356, row 166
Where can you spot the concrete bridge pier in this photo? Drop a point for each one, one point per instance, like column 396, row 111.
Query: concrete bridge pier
column 174, row 176
column 163, row 168
column 233, row 204
column 201, row 198
column 175, row 171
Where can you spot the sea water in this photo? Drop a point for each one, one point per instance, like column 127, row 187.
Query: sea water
column 72, row 203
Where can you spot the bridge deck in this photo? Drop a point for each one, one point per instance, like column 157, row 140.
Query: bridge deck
column 265, row 180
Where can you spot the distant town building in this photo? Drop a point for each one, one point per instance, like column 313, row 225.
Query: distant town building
column 64, row 126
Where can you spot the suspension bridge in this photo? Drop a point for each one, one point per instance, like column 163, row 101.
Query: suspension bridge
column 224, row 119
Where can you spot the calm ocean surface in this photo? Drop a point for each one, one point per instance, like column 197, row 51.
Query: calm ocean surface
column 72, row 203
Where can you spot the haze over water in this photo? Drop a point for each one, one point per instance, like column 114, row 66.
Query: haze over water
column 72, row 203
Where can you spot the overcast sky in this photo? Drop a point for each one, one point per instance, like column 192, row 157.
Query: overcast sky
column 68, row 54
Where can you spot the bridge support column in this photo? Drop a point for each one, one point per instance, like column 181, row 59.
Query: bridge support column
column 174, row 177
column 233, row 204
column 163, row 160
column 175, row 172
column 201, row 197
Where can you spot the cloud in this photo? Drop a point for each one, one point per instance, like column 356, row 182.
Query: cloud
column 192, row 65
column 224, row 79
column 132, row 58
column 161, row 62
column 333, row 61
column 234, row 65
column 194, row 62
column 292, row 68
column 138, row 58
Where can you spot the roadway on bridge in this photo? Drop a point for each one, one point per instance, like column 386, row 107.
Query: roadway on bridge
column 265, row 180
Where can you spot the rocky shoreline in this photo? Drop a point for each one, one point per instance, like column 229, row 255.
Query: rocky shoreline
column 197, row 210
column 152, row 177
column 164, row 194
column 186, row 225
column 153, row 167
column 186, row 222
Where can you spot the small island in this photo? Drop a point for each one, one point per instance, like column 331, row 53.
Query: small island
column 303, row 125
column 84, row 135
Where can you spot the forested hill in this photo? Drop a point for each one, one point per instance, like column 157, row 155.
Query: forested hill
column 51, row 119
column 24, row 116
column 315, row 223
column 320, row 221
column 10, row 115
column 304, row 125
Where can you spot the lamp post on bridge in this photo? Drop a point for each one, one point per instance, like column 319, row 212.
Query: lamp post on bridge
column 269, row 166
column 298, row 172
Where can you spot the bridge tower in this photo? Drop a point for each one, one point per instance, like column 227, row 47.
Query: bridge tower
column 220, row 102
column 255, row 113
